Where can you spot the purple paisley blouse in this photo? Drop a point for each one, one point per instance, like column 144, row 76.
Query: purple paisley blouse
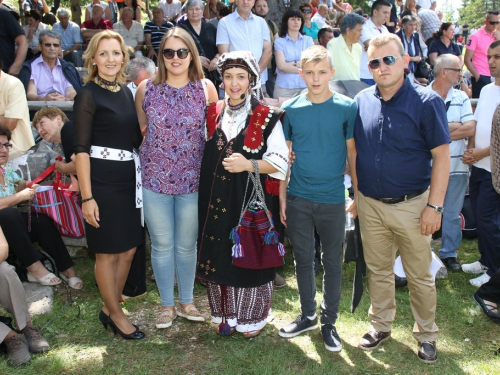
column 173, row 147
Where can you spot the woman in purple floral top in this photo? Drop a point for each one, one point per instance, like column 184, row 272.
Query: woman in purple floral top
column 171, row 111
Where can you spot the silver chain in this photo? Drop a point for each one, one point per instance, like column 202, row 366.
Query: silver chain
column 257, row 199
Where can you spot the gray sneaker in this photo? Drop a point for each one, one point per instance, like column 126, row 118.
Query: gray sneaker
column 17, row 350
column 36, row 342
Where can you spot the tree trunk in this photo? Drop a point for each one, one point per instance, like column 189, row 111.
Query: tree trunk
column 76, row 12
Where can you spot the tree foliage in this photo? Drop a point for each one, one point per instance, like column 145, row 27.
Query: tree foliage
column 474, row 11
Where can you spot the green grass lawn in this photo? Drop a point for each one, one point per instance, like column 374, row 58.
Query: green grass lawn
column 467, row 341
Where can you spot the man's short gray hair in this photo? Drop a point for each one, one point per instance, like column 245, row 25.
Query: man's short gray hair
column 408, row 18
column 134, row 67
column 128, row 9
column 444, row 61
column 62, row 12
column 192, row 3
column 157, row 7
column 50, row 34
column 350, row 21
column 322, row 5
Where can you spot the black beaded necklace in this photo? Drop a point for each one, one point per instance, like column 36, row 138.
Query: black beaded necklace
column 108, row 85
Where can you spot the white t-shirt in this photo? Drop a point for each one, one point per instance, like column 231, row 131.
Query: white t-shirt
column 170, row 10
column 488, row 102
column 370, row 31
column 425, row 4
column 319, row 20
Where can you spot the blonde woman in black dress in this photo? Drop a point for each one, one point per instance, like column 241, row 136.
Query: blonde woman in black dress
column 106, row 130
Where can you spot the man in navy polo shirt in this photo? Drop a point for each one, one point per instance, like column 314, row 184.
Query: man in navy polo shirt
column 399, row 130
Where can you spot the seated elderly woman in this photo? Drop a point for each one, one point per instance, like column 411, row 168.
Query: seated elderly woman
column 287, row 51
column 54, row 127
column 15, row 226
column 346, row 50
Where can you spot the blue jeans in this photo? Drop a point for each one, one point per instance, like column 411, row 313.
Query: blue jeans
column 329, row 219
column 452, row 223
column 172, row 221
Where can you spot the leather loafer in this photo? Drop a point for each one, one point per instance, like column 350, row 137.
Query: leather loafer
column 373, row 339
column 427, row 352
column 452, row 264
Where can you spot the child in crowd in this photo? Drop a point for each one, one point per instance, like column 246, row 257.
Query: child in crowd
column 314, row 196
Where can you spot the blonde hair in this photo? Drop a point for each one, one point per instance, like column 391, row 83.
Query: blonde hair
column 92, row 50
column 49, row 112
column 195, row 71
column 315, row 54
column 384, row 39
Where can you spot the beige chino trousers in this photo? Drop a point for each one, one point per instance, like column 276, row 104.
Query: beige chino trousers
column 386, row 228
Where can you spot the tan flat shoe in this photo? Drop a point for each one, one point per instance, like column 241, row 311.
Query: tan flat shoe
column 190, row 312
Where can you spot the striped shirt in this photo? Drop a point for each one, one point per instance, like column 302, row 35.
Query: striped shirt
column 459, row 110
column 156, row 32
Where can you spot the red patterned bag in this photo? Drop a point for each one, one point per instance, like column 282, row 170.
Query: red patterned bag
column 60, row 204
column 256, row 243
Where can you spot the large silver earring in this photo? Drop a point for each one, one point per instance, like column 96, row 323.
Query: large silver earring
column 94, row 64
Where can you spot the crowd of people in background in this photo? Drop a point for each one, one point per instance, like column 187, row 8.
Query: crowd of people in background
column 172, row 113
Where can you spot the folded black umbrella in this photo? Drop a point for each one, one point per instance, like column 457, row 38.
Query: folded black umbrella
column 353, row 252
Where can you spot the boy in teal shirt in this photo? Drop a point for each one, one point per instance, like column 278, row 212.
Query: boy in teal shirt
column 318, row 128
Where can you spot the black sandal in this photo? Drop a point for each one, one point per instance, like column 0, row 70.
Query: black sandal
column 487, row 308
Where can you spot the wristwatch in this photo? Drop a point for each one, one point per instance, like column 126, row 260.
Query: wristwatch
column 438, row 209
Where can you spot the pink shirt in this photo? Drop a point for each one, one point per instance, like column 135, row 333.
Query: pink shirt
column 47, row 80
column 479, row 43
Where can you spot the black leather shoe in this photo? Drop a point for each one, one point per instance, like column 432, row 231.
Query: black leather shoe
column 400, row 282
column 452, row 264
column 487, row 308
column 136, row 335
column 373, row 339
column 427, row 352
column 103, row 318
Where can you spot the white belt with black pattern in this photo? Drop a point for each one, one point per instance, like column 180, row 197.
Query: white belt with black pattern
column 115, row 154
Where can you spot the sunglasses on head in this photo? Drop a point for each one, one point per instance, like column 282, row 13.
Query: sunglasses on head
column 493, row 22
column 306, row 10
column 182, row 53
column 48, row 45
column 388, row 60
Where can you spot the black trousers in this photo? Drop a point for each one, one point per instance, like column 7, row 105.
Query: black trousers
column 15, row 227
column 490, row 291
column 479, row 84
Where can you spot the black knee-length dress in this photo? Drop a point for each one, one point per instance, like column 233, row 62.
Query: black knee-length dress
column 109, row 119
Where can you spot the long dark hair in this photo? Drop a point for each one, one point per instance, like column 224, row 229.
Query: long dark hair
column 134, row 4
column 290, row 13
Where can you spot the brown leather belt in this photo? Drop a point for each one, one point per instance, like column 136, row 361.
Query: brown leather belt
column 402, row 199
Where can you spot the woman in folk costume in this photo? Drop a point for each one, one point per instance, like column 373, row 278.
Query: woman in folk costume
column 239, row 129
